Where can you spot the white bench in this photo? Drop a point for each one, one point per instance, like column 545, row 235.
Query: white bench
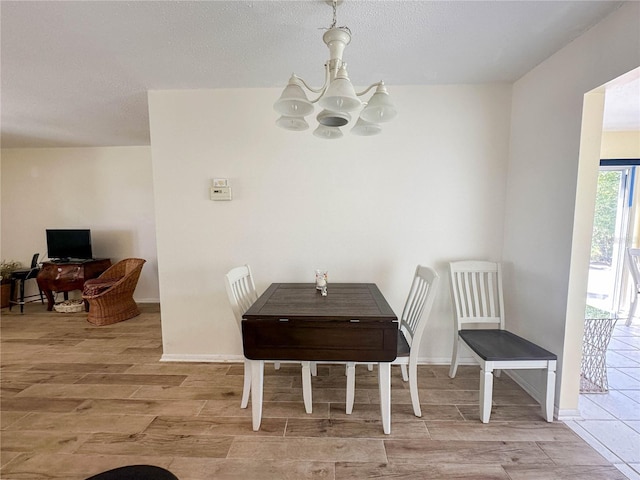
column 476, row 288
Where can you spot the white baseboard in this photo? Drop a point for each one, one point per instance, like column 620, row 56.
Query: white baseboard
column 211, row 358
column 201, row 358
column 438, row 361
column 567, row 414
column 226, row 358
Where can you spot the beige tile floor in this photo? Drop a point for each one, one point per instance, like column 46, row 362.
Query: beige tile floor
column 611, row 421
column 78, row 399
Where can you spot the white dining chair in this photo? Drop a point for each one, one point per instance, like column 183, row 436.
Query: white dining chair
column 633, row 260
column 242, row 293
column 411, row 329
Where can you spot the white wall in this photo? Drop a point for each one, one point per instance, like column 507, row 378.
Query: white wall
column 539, row 230
column 108, row 190
column 428, row 190
column 622, row 144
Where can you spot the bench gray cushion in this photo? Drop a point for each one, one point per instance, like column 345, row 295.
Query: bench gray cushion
column 500, row 345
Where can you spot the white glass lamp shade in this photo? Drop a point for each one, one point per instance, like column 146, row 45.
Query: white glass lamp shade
column 296, row 124
column 340, row 96
column 379, row 109
column 293, row 102
column 333, row 119
column 366, row 129
column 328, row 133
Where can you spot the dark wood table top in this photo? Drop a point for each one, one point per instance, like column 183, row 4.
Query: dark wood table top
column 293, row 321
column 301, row 301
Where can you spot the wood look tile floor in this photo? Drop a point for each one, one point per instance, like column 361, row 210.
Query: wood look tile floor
column 77, row 400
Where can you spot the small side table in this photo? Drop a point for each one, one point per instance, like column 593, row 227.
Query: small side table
column 67, row 276
column 593, row 371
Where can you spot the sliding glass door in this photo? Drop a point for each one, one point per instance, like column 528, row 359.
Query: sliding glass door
column 612, row 234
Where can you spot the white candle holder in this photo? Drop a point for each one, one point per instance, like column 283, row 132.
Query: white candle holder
column 321, row 281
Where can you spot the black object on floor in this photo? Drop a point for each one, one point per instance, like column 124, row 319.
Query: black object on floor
column 135, row 472
column 18, row 278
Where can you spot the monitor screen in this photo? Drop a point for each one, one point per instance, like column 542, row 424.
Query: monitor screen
column 67, row 244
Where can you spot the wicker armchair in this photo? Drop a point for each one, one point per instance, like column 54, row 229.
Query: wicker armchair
column 110, row 296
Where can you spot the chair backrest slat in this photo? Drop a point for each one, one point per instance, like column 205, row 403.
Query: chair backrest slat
column 418, row 305
column 491, row 285
column 241, row 291
column 477, row 309
column 476, row 288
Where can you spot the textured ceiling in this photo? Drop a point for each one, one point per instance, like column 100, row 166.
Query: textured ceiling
column 76, row 73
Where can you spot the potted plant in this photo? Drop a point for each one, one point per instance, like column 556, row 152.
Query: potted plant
column 6, row 267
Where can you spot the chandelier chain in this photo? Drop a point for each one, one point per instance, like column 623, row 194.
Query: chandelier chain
column 335, row 15
column 334, row 5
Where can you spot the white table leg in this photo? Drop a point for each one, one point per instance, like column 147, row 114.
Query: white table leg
column 257, row 381
column 351, row 386
column 486, row 392
column 384, row 382
column 246, row 388
column 306, row 387
column 547, row 405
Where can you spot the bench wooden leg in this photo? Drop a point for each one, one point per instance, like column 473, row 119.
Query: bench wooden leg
column 547, row 404
column 486, row 392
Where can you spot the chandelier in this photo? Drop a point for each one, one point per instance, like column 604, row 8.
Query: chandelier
column 337, row 98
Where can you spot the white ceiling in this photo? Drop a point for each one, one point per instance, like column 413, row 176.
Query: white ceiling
column 76, row 73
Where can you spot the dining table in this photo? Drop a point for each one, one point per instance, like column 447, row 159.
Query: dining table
column 296, row 322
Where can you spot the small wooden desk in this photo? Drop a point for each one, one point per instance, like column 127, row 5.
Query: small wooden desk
column 68, row 276
column 293, row 321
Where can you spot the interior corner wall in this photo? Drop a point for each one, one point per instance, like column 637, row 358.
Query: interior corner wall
column 108, row 190
column 541, row 191
column 428, row 190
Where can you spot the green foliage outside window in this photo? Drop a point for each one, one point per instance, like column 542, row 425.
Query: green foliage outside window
column 604, row 220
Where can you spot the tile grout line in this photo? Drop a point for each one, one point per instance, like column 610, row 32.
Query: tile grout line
column 593, row 441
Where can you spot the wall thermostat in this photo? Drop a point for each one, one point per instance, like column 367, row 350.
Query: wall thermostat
column 220, row 189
